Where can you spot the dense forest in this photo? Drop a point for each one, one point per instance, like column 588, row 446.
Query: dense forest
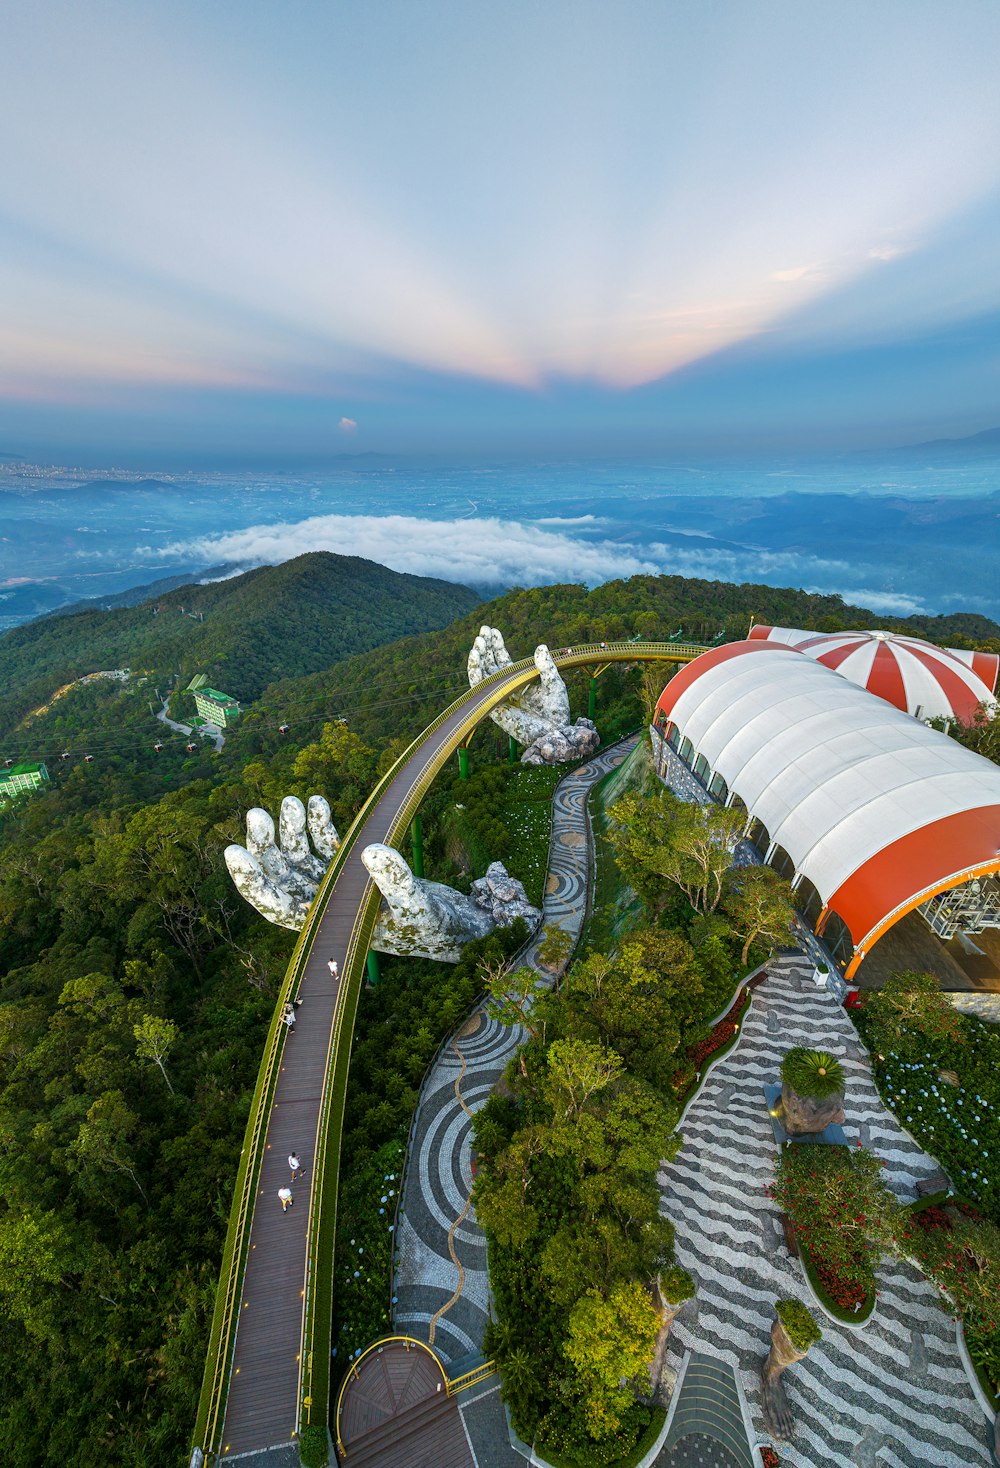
column 135, row 986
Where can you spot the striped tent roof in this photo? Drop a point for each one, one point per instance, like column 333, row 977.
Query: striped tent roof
column 876, row 810
column 917, row 677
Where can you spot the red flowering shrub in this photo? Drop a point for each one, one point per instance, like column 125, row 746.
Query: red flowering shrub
column 959, row 1251
column 844, row 1215
column 769, row 1458
column 718, row 1036
column 847, row 1293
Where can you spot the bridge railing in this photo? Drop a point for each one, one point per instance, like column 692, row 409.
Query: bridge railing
column 314, row 1370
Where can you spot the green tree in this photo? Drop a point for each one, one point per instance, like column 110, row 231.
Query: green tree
column 910, row 1005
column 610, row 1341
column 659, row 839
column 759, row 904
column 577, row 1070
column 154, row 1039
column 102, row 1142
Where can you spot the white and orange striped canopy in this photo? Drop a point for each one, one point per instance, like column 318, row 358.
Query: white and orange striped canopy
column 876, row 810
column 921, row 679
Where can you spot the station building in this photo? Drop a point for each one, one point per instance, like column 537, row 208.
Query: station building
column 871, row 814
column 20, row 779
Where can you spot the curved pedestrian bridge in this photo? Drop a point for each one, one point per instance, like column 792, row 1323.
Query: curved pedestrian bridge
column 267, row 1377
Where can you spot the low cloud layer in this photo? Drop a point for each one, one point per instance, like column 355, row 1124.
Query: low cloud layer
column 490, row 552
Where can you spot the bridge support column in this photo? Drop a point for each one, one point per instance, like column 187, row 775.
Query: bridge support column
column 512, row 748
column 592, row 699
column 417, row 846
column 463, row 762
column 374, row 973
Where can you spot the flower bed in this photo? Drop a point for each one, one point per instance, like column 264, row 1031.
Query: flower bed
column 699, row 1057
column 925, row 1239
column 843, row 1298
column 959, row 1125
column 769, row 1458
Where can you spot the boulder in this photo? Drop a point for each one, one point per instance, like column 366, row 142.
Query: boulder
column 503, row 897
column 560, row 745
column 801, row 1116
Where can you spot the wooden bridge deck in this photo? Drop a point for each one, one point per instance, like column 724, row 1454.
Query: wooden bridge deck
column 262, row 1403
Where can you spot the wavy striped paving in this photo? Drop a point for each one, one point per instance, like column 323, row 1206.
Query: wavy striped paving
column 892, row 1393
column 441, row 1286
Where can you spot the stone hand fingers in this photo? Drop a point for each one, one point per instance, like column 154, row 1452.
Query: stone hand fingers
column 274, row 902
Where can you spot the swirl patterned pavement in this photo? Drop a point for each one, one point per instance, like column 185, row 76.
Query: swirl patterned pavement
column 441, row 1286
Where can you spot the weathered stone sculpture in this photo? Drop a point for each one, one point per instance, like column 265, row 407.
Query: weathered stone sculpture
column 812, row 1092
column 423, row 919
column 792, row 1333
column 536, row 716
column 435, row 921
column 281, row 882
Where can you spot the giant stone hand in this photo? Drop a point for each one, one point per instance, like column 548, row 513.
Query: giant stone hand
column 419, row 918
column 536, row 716
column 281, row 881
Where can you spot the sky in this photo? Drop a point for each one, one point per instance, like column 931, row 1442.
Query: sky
column 250, row 231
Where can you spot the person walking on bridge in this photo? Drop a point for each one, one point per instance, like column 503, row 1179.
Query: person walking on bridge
column 297, row 1169
column 334, row 970
column 285, row 1194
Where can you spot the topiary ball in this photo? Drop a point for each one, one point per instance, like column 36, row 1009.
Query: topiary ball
column 813, row 1073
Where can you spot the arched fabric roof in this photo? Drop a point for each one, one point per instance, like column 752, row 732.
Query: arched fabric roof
column 926, row 681
column 878, row 811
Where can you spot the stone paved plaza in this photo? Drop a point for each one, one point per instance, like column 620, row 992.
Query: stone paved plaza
column 893, row 1392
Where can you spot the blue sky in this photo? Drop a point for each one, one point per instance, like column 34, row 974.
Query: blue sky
column 245, row 229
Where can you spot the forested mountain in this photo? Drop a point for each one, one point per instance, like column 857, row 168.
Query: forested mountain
column 121, row 938
column 273, row 622
column 398, row 689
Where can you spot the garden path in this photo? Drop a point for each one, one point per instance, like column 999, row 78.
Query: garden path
column 441, row 1285
column 892, row 1393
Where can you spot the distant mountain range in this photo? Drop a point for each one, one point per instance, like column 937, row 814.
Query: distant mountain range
column 988, row 439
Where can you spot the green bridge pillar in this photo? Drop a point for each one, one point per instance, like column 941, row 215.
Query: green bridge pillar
column 463, row 762
column 373, row 967
column 592, row 700
column 417, row 846
column 511, row 749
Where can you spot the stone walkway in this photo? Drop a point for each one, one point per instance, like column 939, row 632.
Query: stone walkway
column 892, row 1393
column 441, row 1286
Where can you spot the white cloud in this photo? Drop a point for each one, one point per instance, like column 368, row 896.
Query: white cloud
column 570, row 520
column 487, row 552
column 888, row 252
column 492, row 552
column 347, row 425
column 798, row 272
column 895, row 602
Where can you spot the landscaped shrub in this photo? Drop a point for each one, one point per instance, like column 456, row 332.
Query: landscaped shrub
column 676, row 1284
column 959, row 1251
column 799, row 1324
column 812, row 1073
column 844, row 1215
column 984, row 1348
column 314, row 1447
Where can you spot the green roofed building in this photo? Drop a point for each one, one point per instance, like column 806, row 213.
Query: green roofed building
column 215, row 707
column 21, row 778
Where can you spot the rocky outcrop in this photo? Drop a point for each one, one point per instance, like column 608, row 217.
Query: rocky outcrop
column 503, row 897
column 560, row 746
